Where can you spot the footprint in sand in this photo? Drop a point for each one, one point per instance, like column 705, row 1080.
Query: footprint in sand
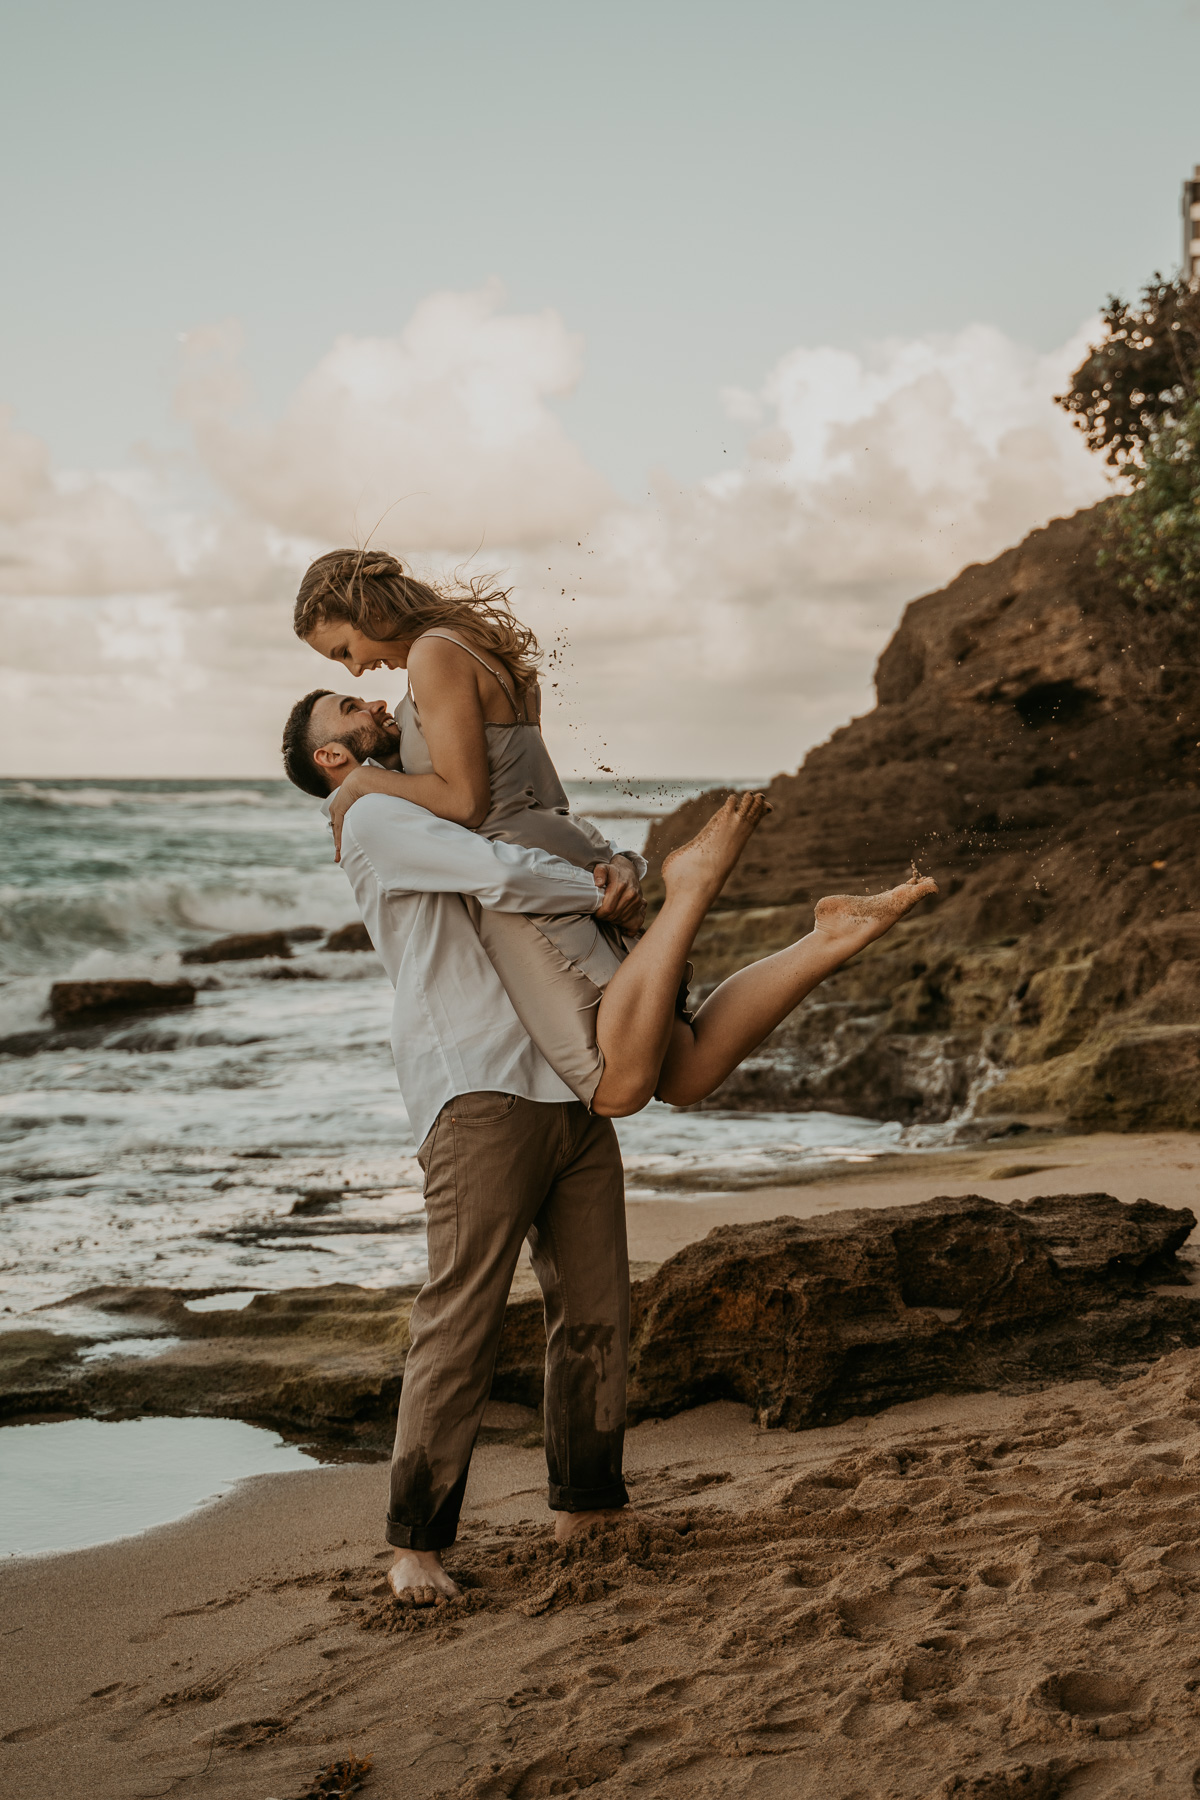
column 1102, row 1702
column 929, row 1672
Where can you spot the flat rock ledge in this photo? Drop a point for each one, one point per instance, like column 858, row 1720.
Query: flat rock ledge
column 807, row 1321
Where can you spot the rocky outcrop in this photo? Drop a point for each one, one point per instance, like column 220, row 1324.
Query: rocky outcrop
column 90, row 1002
column 243, row 946
column 247, row 946
column 812, row 1320
column 1036, row 747
column 349, row 937
column 808, row 1321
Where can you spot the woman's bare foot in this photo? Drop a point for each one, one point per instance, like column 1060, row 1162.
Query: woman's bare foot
column 572, row 1525
column 417, row 1578
column 855, row 920
column 704, row 864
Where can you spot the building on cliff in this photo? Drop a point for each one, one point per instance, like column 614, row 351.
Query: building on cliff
column 1191, row 225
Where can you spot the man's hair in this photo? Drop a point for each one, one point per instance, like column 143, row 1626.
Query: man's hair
column 298, row 761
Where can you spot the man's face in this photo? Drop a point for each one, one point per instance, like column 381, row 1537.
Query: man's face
column 364, row 727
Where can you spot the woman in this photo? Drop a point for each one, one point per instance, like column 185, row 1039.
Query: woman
column 607, row 1011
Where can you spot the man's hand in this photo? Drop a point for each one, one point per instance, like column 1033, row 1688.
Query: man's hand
column 622, row 903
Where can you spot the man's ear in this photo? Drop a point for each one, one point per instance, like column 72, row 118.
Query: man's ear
column 334, row 761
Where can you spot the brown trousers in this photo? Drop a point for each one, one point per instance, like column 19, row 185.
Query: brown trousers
column 498, row 1170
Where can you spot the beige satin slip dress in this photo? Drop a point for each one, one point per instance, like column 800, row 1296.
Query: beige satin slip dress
column 554, row 967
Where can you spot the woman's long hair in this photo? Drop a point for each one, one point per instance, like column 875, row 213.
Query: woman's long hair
column 372, row 591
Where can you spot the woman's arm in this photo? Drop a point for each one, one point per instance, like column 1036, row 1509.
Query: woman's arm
column 446, row 688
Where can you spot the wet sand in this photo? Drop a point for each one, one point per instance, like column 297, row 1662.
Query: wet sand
column 992, row 1596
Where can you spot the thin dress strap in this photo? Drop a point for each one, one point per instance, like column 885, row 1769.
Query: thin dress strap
column 518, row 711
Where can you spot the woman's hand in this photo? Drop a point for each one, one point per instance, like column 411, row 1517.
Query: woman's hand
column 622, row 904
column 357, row 783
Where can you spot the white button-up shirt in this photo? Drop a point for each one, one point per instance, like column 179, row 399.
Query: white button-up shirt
column 454, row 1030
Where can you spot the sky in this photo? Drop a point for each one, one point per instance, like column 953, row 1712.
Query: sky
column 720, row 333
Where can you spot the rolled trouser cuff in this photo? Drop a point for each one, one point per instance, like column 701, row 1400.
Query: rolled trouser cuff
column 574, row 1499
column 420, row 1537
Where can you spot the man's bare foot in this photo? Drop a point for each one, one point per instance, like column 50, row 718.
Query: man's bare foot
column 703, row 865
column 855, row 920
column 417, row 1578
column 572, row 1525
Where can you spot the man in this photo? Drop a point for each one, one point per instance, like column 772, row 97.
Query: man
column 507, row 1151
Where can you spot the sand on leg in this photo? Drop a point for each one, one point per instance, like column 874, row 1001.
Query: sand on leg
column 636, row 1016
column 747, row 1007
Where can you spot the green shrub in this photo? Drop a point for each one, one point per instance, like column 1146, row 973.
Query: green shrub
column 1151, row 534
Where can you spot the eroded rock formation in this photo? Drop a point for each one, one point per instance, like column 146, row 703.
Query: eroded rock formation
column 1036, row 746
column 808, row 1321
column 811, row 1320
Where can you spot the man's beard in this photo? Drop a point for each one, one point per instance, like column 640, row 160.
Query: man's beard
column 369, row 740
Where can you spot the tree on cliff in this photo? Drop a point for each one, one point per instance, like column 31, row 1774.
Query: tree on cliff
column 1141, row 376
column 1136, row 398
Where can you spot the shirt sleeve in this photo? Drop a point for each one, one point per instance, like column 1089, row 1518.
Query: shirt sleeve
column 605, row 849
column 413, row 852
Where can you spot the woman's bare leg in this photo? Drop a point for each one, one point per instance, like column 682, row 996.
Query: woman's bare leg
column 744, row 1010
column 635, row 1018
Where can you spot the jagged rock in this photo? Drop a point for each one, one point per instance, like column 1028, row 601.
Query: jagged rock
column 1137, row 1080
column 85, row 1002
column 349, row 937
column 243, row 946
column 1036, row 746
column 808, row 1321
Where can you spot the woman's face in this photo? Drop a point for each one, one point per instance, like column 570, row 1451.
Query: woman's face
column 344, row 643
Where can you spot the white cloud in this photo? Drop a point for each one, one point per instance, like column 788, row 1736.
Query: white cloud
column 445, row 430
column 739, row 620
column 64, row 535
column 723, row 627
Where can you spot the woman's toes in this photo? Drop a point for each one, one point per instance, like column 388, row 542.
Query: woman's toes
column 750, row 809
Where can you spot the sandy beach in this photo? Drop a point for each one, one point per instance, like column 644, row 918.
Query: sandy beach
column 1160, row 1166
column 993, row 1595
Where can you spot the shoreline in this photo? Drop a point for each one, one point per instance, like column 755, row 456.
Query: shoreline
column 1163, row 1166
column 321, row 1364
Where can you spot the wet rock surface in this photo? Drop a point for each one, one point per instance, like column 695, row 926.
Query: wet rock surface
column 350, row 937
column 808, row 1321
column 91, row 1002
column 249, row 946
column 242, row 946
column 1036, row 747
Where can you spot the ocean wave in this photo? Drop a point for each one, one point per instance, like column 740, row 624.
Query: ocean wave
column 101, row 799
column 54, row 928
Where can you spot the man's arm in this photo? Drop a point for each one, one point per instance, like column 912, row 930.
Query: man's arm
column 413, row 852
column 606, row 851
